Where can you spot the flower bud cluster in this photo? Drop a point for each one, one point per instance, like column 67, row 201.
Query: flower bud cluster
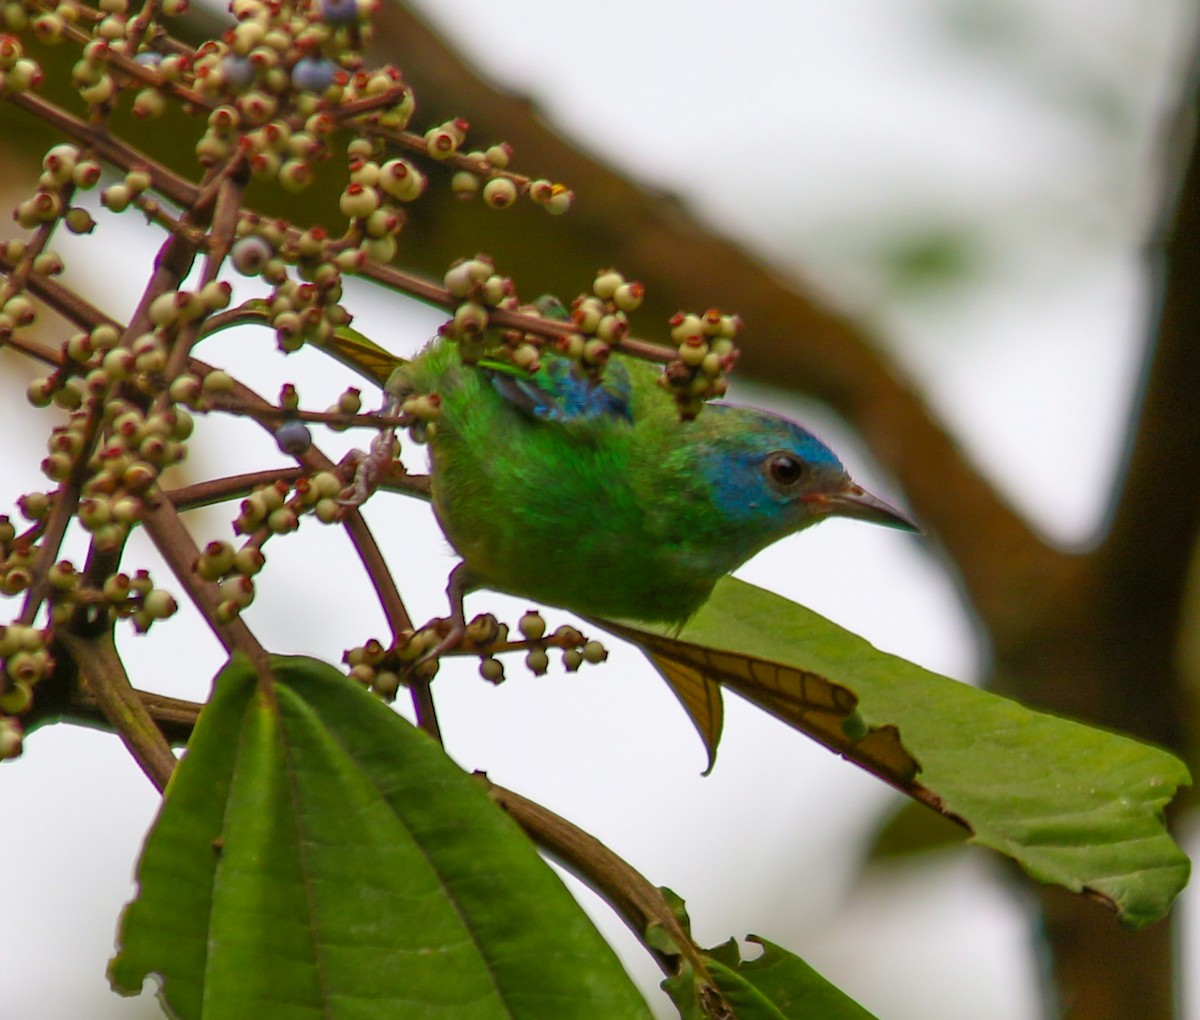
column 91, row 75
column 480, row 288
column 269, row 510
column 274, row 88
column 63, row 170
column 299, row 310
column 24, row 661
column 276, row 509
column 707, row 353
column 233, row 571
column 17, row 553
column 25, row 657
column 275, row 81
column 18, row 73
column 370, row 201
column 135, row 598
column 601, row 320
column 11, row 738
column 383, row 669
column 110, row 441
column 15, row 312
column 108, row 453
column 484, row 173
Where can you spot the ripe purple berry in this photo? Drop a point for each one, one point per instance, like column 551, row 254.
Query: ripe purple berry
column 313, row 74
column 250, row 254
column 237, row 71
column 293, row 437
column 338, row 12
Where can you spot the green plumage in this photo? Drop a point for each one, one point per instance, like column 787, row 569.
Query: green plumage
column 626, row 512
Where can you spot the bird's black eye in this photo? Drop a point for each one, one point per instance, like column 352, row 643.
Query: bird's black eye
column 785, row 469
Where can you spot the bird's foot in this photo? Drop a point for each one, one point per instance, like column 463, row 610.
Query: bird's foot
column 453, row 629
column 451, row 637
column 372, row 467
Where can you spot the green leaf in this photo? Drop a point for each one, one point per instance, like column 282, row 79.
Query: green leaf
column 913, row 830
column 361, row 354
column 776, row 986
column 1073, row 805
column 318, row 857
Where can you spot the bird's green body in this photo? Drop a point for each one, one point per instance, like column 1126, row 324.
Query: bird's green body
column 599, row 499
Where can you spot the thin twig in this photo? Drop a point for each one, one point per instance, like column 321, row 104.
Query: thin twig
column 219, row 490
column 638, row 902
column 274, row 414
column 62, row 512
column 107, row 147
column 369, row 104
column 177, row 546
column 535, row 325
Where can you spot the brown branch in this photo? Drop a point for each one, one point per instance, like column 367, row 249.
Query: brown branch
column 434, row 293
column 62, row 512
column 1115, row 658
column 637, row 901
column 134, row 33
column 100, row 666
column 271, row 413
column 175, row 717
column 344, row 112
column 76, row 310
column 107, row 147
column 218, row 490
column 1157, row 514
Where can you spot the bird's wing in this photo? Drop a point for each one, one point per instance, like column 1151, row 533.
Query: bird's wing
column 559, row 393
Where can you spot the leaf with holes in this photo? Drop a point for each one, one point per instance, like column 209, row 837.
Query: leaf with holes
column 1073, row 805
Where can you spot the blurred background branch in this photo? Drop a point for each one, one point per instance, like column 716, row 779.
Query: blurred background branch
column 1091, row 633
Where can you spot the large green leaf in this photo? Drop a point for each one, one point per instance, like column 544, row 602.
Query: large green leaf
column 1074, row 805
column 318, row 857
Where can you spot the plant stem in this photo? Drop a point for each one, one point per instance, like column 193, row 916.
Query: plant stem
column 634, row 897
column 104, row 675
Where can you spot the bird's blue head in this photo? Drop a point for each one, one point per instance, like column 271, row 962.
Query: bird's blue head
column 770, row 477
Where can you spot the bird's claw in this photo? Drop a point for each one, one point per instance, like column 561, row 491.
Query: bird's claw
column 456, row 631
column 371, row 467
column 448, row 642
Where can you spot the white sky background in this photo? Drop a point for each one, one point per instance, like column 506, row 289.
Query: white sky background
column 816, row 133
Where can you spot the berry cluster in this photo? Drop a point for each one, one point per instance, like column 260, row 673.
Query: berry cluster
column 384, row 669
column 707, row 354
column 596, row 326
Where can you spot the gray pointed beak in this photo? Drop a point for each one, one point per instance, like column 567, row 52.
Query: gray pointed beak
column 854, row 501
